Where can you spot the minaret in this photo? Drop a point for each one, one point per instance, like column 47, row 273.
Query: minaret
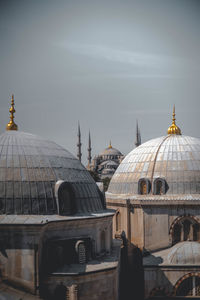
column 89, row 151
column 110, row 145
column 79, row 154
column 138, row 136
column 174, row 129
column 11, row 125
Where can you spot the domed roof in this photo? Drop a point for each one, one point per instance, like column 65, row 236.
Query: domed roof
column 111, row 151
column 185, row 253
column 29, row 168
column 175, row 158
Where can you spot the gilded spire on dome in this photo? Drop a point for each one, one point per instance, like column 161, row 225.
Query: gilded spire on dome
column 11, row 125
column 110, row 146
column 174, row 129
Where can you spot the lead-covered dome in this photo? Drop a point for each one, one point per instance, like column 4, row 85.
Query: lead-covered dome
column 29, row 168
column 174, row 159
column 185, row 253
column 110, row 151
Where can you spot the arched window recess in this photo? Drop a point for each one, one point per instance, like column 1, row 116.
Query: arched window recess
column 65, row 198
column 185, row 228
column 188, row 286
column 144, row 186
column 80, row 248
column 159, row 186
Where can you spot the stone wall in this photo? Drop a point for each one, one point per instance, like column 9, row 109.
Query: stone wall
column 18, row 268
column 19, row 255
column 95, row 286
column 148, row 226
column 164, row 277
column 158, row 220
column 21, row 246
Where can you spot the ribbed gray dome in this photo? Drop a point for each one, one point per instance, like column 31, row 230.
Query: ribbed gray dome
column 175, row 158
column 185, row 253
column 29, row 168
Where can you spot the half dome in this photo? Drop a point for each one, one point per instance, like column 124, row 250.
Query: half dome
column 29, row 168
column 185, row 253
column 173, row 158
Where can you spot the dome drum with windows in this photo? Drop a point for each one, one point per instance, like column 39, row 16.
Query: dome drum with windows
column 165, row 165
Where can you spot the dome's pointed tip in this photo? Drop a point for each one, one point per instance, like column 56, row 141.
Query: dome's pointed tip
column 11, row 125
column 174, row 129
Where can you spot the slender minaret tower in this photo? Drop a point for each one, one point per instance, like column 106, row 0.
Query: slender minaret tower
column 11, row 125
column 79, row 154
column 138, row 136
column 89, row 151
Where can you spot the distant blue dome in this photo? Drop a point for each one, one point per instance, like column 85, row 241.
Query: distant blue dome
column 29, row 168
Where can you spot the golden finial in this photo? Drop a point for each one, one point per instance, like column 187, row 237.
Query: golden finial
column 174, row 129
column 110, row 146
column 11, row 125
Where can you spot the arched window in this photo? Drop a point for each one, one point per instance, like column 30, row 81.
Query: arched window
column 118, row 221
column 159, row 186
column 66, row 200
column 103, row 241
column 143, row 186
column 189, row 287
column 186, row 228
column 81, row 252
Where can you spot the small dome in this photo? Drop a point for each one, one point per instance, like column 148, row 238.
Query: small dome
column 185, row 253
column 111, row 151
column 175, row 158
column 29, row 168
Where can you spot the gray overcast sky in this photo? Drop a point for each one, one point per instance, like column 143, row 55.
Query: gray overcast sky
column 104, row 63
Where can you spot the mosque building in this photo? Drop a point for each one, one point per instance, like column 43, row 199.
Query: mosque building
column 55, row 231
column 105, row 163
column 59, row 241
column 156, row 194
